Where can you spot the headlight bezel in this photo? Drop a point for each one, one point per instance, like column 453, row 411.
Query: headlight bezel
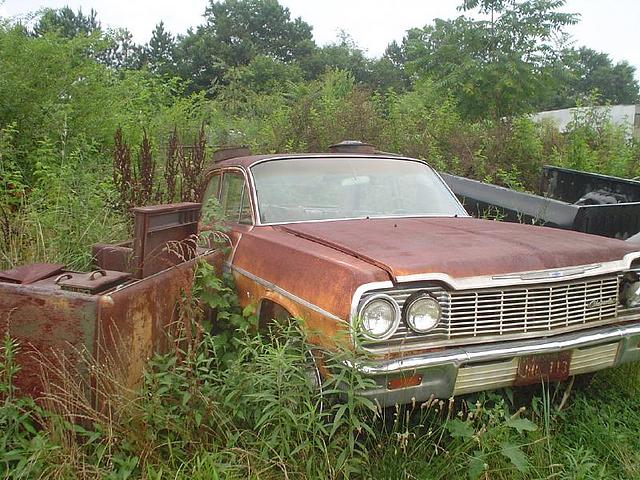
column 410, row 303
column 394, row 324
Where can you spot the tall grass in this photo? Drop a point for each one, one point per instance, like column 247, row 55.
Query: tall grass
column 67, row 207
column 247, row 409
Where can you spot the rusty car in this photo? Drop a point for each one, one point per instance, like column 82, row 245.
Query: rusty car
column 367, row 246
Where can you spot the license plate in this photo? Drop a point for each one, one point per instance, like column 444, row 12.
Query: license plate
column 551, row 367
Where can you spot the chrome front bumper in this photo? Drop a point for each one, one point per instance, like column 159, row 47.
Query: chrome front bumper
column 473, row 368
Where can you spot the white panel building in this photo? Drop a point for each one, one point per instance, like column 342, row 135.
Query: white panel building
column 626, row 116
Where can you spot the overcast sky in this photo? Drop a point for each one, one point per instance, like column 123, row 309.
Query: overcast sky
column 610, row 26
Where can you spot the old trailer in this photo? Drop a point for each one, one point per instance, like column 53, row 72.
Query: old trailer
column 568, row 199
column 117, row 315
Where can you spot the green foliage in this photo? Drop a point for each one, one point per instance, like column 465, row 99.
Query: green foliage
column 594, row 144
column 22, row 447
column 584, row 72
column 257, row 415
column 244, row 29
column 237, row 403
column 160, row 52
column 263, row 75
column 496, row 67
column 231, row 323
column 67, row 23
column 61, row 108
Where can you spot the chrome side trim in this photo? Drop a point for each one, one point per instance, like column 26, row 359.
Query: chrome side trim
column 518, row 278
column 484, row 353
column 284, row 293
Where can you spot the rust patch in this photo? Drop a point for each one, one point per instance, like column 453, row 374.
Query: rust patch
column 461, row 247
column 164, row 236
column 49, row 325
column 138, row 320
column 27, row 274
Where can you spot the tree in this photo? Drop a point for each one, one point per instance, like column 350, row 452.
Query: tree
column 235, row 32
column 381, row 73
column 198, row 61
column 67, row 23
column 160, row 51
column 114, row 48
column 495, row 67
column 120, row 51
column 264, row 75
column 341, row 55
column 594, row 72
column 243, row 29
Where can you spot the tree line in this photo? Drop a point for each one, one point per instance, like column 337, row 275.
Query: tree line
column 498, row 58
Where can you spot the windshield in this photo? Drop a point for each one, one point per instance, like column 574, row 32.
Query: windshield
column 295, row 190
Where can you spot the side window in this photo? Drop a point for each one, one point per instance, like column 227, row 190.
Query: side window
column 234, row 198
column 212, row 188
column 245, row 209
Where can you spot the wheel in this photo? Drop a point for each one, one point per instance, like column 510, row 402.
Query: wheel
column 314, row 377
column 273, row 321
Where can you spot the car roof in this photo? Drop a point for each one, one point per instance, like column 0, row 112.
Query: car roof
column 247, row 161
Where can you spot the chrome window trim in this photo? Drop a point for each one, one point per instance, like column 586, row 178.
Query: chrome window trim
column 254, row 194
column 208, row 180
column 247, row 184
column 359, row 218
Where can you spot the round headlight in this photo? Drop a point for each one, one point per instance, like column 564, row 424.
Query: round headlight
column 422, row 313
column 379, row 317
column 631, row 294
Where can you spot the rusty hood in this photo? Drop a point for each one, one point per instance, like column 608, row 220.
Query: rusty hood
column 460, row 247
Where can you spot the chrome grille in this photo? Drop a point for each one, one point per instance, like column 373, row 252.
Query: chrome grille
column 509, row 312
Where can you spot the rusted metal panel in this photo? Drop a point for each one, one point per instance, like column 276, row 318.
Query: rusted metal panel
column 322, row 331
column 135, row 321
column 315, row 273
column 461, row 247
column 117, row 257
column 164, row 236
column 27, row 274
column 61, row 318
column 230, row 152
column 91, row 283
column 52, row 327
column 120, row 329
